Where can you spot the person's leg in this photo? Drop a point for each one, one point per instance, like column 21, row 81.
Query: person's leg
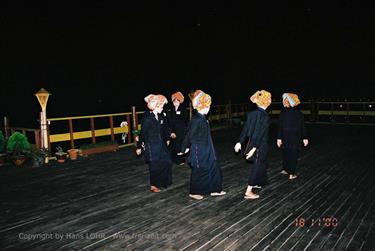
column 199, row 182
column 216, row 180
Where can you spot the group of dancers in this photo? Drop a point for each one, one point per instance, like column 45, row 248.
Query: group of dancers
column 166, row 138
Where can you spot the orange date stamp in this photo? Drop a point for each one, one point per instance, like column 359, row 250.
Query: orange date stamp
column 328, row 222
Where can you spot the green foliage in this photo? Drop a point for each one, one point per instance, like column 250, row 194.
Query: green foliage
column 2, row 142
column 60, row 151
column 18, row 143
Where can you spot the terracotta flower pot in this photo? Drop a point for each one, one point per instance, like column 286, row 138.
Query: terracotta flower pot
column 18, row 160
column 73, row 154
column 60, row 158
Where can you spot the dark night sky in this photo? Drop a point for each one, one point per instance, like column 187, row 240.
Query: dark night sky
column 96, row 57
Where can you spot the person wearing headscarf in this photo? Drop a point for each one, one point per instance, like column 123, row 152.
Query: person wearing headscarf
column 153, row 141
column 206, row 176
column 255, row 132
column 177, row 122
column 291, row 133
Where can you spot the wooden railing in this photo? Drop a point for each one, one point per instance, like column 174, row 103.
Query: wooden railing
column 93, row 132
column 33, row 134
column 220, row 116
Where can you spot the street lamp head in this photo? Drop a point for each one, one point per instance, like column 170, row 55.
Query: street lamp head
column 42, row 96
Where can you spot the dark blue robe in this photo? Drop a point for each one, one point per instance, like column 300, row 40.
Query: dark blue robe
column 206, row 175
column 177, row 123
column 153, row 137
column 255, row 132
column 291, row 131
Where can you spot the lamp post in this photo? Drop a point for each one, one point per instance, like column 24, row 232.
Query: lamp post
column 42, row 95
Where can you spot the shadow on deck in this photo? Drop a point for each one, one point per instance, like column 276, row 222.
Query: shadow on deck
column 102, row 202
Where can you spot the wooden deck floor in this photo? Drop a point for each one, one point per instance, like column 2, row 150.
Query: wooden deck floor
column 103, row 203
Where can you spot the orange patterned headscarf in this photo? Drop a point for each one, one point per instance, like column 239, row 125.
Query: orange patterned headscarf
column 292, row 98
column 200, row 100
column 261, row 98
column 154, row 101
column 178, row 96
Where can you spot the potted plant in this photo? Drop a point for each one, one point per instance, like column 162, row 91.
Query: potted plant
column 73, row 153
column 18, row 148
column 60, row 155
column 38, row 156
column 2, row 148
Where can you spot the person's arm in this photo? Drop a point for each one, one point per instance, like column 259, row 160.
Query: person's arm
column 303, row 131
column 245, row 130
column 244, row 134
column 280, row 129
column 192, row 129
column 145, row 124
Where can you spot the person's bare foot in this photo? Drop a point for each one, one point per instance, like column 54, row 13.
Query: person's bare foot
column 196, row 196
column 283, row 172
column 292, row 176
column 154, row 189
column 218, row 194
column 251, row 196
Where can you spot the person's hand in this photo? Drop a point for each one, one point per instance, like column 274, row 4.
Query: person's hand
column 186, row 151
column 305, row 142
column 251, row 153
column 237, row 147
column 173, row 135
column 279, row 142
column 168, row 142
column 138, row 151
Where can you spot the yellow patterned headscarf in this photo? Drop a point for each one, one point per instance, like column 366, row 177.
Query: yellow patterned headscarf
column 261, row 98
column 154, row 101
column 200, row 100
column 292, row 98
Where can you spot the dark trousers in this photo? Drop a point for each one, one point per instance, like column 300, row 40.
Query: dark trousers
column 290, row 157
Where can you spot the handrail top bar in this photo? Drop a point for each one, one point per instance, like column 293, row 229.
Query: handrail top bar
column 89, row 116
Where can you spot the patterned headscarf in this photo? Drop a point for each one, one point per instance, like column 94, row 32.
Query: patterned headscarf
column 200, row 100
column 261, row 98
column 178, row 96
column 154, row 101
column 292, row 99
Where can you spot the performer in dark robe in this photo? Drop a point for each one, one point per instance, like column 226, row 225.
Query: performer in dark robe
column 206, row 176
column 153, row 140
column 177, row 123
column 255, row 131
column 291, row 133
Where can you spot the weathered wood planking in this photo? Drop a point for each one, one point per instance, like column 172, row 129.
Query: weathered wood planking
column 102, row 202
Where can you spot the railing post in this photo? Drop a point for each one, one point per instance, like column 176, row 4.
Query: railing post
column 129, row 131
column 135, row 122
column 37, row 138
column 6, row 127
column 71, row 134
column 111, row 125
column 92, row 127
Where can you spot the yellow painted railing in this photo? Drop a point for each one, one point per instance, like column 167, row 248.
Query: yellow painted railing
column 220, row 115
